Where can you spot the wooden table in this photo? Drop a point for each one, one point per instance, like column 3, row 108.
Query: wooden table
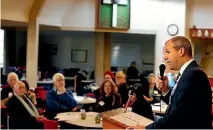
column 74, row 118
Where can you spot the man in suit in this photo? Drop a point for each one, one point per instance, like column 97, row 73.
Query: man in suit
column 189, row 102
column 23, row 114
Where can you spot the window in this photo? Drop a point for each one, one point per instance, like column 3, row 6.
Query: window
column 1, row 48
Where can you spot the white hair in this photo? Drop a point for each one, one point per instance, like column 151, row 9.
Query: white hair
column 12, row 74
column 151, row 75
column 56, row 76
column 121, row 73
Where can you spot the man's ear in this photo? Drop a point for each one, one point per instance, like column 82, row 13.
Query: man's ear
column 182, row 51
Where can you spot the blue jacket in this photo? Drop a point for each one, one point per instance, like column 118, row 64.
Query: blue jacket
column 57, row 103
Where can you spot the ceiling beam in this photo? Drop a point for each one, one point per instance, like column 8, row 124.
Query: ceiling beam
column 36, row 9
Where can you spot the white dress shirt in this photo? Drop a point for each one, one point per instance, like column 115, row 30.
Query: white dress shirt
column 183, row 67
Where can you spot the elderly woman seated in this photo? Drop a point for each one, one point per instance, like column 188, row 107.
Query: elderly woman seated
column 154, row 94
column 59, row 99
column 109, row 98
column 23, row 114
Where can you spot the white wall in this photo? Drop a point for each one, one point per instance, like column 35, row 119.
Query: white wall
column 132, row 47
column 202, row 13
column 147, row 17
column 66, row 41
column 157, row 15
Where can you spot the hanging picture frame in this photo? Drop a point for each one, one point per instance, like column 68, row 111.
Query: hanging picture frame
column 79, row 55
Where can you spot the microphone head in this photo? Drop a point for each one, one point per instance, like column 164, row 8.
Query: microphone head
column 162, row 68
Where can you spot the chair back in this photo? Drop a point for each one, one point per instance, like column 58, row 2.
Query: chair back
column 42, row 95
column 50, row 124
column 39, row 88
column 211, row 82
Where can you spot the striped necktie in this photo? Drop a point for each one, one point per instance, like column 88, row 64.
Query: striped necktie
column 178, row 76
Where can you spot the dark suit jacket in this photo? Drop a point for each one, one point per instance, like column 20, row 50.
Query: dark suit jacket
column 123, row 91
column 20, row 117
column 190, row 104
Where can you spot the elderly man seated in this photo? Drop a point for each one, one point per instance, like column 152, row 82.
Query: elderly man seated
column 59, row 99
column 23, row 114
column 120, row 79
column 7, row 91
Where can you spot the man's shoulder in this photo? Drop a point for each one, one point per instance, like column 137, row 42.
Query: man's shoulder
column 69, row 91
column 196, row 72
column 51, row 92
column 12, row 99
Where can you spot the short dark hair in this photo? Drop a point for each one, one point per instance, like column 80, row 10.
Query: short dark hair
column 133, row 63
column 26, row 85
column 182, row 42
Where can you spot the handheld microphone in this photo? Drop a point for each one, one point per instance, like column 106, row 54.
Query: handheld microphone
column 162, row 68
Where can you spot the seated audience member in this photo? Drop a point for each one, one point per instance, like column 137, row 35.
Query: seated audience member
column 108, row 75
column 7, row 91
column 120, row 79
column 152, row 89
column 29, row 93
column 109, row 98
column 59, row 99
column 138, row 103
column 80, row 89
column 23, row 114
column 132, row 71
column 92, row 75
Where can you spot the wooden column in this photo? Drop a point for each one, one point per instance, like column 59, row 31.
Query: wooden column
column 102, row 55
column 32, row 53
column 99, row 57
column 32, row 43
column 188, row 23
column 107, row 51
